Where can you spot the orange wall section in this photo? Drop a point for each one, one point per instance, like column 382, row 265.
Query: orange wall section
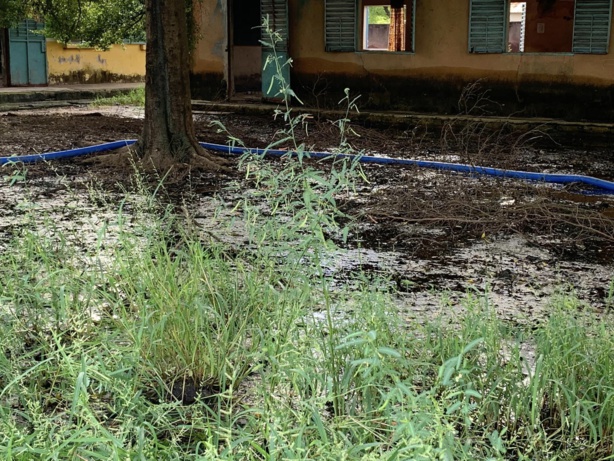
column 209, row 55
column 440, row 49
column 72, row 64
column 209, row 72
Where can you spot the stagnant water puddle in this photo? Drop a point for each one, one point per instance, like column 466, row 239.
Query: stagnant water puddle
column 433, row 238
column 518, row 277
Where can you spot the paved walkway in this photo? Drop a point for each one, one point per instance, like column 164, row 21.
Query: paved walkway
column 542, row 131
column 70, row 88
column 12, row 98
column 568, row 133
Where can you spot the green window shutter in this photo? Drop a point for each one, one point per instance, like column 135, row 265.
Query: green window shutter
column 277, row 12
column 487, row 26
column 591, row 31
column 340, row 25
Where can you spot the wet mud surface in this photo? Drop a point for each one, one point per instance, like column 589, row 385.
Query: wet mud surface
column 435, row 237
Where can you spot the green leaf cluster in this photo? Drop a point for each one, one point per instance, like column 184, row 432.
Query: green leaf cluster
column 11, row 11
column 379, row 15
column 95, row 23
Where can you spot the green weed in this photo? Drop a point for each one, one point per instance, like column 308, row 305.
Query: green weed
column 17, row 172
column 134, row 97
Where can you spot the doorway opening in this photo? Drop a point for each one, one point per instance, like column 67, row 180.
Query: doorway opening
column 245, row 58
column 250, row 72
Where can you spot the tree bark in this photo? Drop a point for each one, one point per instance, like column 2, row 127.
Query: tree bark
column 168, row 137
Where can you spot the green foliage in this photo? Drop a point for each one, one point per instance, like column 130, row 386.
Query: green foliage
column 379, row 15
column 134, row 97
column 11, row 11
column 14, row 172
column 96, row 23
column 91, row 345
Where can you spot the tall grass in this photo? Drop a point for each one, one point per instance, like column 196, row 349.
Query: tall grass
column 134, row 97
column 90, row 359
column 159, row 343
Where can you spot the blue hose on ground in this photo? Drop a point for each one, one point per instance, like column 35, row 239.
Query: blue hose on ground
column 66, row 153
column 456, row 167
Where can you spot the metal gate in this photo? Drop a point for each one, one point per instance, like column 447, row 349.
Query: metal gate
column 27, row 55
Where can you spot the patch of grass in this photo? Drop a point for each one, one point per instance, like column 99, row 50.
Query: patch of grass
column 134, row 97
column 177, row 348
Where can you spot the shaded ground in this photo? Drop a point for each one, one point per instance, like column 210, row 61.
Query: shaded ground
column 426, row 231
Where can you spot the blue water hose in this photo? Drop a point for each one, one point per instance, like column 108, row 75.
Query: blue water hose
column 456, row 167
column 66, row 153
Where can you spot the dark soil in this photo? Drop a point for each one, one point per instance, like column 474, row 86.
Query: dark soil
column 444, row 230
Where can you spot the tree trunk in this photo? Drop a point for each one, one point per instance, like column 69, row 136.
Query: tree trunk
column 168, row 135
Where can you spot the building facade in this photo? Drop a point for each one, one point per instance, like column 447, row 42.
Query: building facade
column 537, row 58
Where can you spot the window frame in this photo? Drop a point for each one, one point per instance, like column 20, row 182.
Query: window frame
column 410, row 6
column 488, row 18
column 336, row 38
column 277, row 12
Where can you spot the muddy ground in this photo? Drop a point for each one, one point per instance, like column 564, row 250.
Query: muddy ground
column 436, row 236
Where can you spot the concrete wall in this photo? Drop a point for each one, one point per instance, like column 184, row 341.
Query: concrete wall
column 432, row 79
column 247, row 68
column 71, row 64
column 209, row 57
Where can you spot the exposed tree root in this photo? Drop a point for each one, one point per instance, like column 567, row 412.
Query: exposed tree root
column 127, row 159
column 123, row 159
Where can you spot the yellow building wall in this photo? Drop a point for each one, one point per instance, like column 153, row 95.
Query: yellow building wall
column 432, row 77
column 561, row 85
column 209, row 56
column 440, row 51
column 71, row 64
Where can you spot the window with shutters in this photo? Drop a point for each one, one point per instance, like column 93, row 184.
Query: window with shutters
column 276, row 12
column 340, row 25
column 540, row 26
column 384, row 25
